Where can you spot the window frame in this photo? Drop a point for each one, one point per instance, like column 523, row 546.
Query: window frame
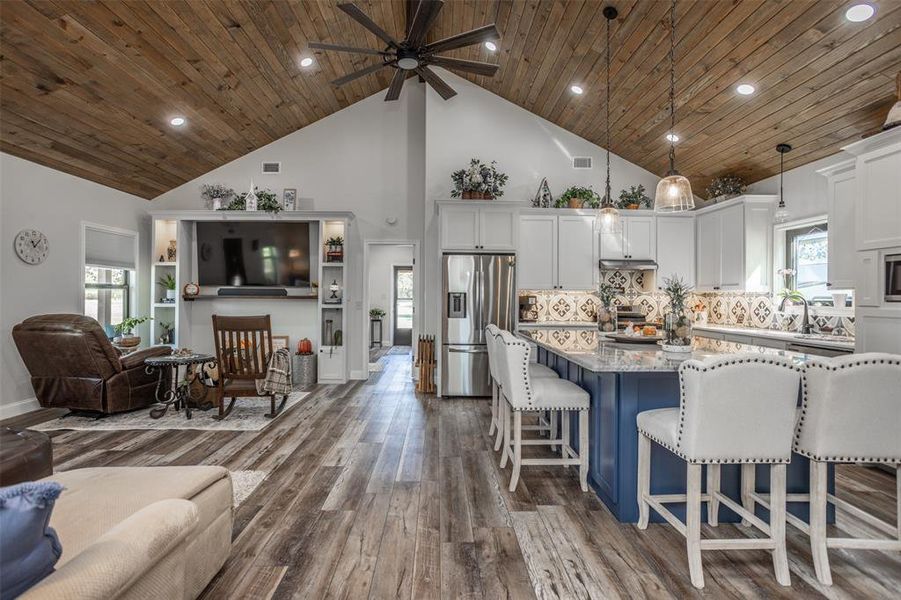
column 131, row 301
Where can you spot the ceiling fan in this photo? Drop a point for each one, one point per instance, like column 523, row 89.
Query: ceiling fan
column 413, row 54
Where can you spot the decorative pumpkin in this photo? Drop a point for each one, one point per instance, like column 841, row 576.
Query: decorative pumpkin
column 305, row 346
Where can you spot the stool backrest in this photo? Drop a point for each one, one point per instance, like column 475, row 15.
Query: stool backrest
column 738, row 407
column 851, row 409
column 514, row 369
column 491, row 332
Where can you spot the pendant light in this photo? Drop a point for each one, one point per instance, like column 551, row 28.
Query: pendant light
column 781, row 214
column 608, row 216
column 674, row 190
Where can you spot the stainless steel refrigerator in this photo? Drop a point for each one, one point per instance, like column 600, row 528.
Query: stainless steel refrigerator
column 478, row 289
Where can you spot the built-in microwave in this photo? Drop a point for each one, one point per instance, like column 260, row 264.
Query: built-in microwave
column 893, row 277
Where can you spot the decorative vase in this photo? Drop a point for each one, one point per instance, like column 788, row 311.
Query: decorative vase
column 607, row 321
column 170, row 251
column 632, row 206
column 217, row 203
column 677, row 329
column 170, row 294
column 468, row 195
column 575, row 203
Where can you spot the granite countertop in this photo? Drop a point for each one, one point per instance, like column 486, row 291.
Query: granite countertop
column 822, row 340
column 558, row 324
column 594, row 352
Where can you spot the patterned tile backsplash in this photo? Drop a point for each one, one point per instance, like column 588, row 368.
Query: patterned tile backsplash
column 723, row 308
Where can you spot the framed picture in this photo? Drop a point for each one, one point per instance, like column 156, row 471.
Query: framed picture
column 290, row 199
column 279, row 341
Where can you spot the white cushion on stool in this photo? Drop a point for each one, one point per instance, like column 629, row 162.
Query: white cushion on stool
column 556, row 393
column 540, row 370
column 661, row 425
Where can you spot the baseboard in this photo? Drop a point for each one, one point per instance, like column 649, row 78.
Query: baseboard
column 21, row 407
column 359, row 374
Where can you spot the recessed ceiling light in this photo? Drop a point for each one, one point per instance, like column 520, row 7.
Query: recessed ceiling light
column 491, row 46
column 745, row 89
column 859, row 12
column 672, row 137
column 177, row 121
column 306, row 62
column 575, row 89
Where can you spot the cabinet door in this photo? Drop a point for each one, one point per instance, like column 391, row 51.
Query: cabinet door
column 612, row 245
column 732, row 248
column 866, row 292
column 842, row 191
column 675, row 249
column 459, row 228
column 878, row 221
column 331, row 363
column 536, row 263
column 497, row 229
column 640, row 241
column 708, row 249
column 577, row 264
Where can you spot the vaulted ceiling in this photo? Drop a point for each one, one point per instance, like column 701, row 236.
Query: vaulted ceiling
column 89, row 87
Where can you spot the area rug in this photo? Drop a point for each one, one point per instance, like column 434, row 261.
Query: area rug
column 248, row 414
column 244, row 483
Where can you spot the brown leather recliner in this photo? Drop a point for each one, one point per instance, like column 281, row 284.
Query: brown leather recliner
column 73, row 365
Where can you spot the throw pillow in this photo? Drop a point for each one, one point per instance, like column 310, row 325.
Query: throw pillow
column 29, row 547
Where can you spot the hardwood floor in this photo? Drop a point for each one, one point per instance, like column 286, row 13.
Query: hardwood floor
column 376, row 492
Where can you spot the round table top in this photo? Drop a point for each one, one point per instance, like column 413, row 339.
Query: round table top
column 172, row 359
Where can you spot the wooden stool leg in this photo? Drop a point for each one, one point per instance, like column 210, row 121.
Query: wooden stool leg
column 493, row 425
column 693, row 525
column 583, row 449
column 777, row 523
column 502, row 419
column 564, row 432
column 517, row 449
column 748, row 485
column 505, row 415
column 644, row 479
column 553, row 434
column 713, row 487
column 818, row 504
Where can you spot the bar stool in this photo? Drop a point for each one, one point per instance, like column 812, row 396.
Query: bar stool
column 524, row 393
column 732, row 409
column 850, row 413
column 492, row 331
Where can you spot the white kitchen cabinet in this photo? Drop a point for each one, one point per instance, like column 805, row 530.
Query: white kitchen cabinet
column 331, row 364
column 866, row 291
column 732, row 260
column 676, row 249
column 557, row 252
column 708, row 248
column 636, row 240
column 577, row 265
column 878, row 180
column 477, row 227
column 841, row 194
column 536, row 260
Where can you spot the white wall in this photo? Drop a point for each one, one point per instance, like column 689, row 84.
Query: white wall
column 32, row 196
column 380, row 282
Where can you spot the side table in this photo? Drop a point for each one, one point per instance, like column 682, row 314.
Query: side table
column 180, row 393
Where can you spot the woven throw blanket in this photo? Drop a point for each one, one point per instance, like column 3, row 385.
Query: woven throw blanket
column 278, row 374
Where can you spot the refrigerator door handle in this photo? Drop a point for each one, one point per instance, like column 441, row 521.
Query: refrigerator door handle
column 468, row 351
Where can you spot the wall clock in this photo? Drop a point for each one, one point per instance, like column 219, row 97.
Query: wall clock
column 32, row 246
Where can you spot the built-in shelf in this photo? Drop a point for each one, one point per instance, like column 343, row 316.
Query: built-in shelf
column 332, row 264
column 164, row 264
column 164, row 304
column 250, row 297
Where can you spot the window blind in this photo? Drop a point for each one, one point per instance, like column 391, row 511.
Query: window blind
column 109, row 249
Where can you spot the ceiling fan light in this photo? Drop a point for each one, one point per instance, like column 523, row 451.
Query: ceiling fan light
column 673, row 194
column 407, row 63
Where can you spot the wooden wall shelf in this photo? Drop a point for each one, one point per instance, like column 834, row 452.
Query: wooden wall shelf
column 249, row 297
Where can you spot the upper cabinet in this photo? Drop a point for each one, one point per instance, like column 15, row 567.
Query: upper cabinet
column 636, row 240
column 558, row 252
column 676, row 248
column 734, row 245
column 841, row 194
column 878, row 181
column 477, row 227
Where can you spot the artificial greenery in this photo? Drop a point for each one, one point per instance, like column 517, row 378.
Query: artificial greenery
column 376, row 313
column 128, row 325
column 211, row 191
column 726, row 185
column 635, row 195
column 167, row 281
column 266, row 201
column 335, row 240
column 479, row 177
column 588, row 196
column 607, row 295
column 677, row 291
column 167, row 326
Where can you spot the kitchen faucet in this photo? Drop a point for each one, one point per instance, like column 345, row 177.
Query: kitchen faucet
column 806, row 328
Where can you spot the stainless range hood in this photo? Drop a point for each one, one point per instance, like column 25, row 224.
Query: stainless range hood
column 627, row 265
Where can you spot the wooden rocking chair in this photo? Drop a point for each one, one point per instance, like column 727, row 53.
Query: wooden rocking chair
column 243, row 348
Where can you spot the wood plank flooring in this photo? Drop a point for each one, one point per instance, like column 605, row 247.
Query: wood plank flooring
column 377, row 492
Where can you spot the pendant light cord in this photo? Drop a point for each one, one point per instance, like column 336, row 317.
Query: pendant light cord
column 781, row 170
column 608, row 199
column 672, row 85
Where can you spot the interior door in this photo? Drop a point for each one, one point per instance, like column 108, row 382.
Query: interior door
column 403, row 306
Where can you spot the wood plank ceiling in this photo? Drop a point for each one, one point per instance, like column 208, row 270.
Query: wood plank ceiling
column 89, row 87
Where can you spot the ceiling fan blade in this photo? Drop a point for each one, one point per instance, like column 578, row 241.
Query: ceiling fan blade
column 468, row 66
column 339, row 48
column 410, row 8
column 397, row 83
column 360, row 17
column 475, row 36
column 361, row 73
column 444, row 90
column 426, row 13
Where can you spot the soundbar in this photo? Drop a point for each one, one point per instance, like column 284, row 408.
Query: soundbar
column 252, row 291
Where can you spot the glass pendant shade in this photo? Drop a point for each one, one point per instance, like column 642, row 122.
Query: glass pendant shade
column 781, row 214
column 673, row 194
column 608, row 219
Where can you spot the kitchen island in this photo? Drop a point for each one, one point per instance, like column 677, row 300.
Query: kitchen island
column 625, row 379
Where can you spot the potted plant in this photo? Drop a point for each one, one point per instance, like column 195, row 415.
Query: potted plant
column 216, row 195
column 634, row 199
column 607, row 321
column 125, row 331
column 676, row 324
column 725, row 187
column 167, row 282
column 266, row 201
column 479, row 181
column 334, row 249
column 376, row 314
column 578, row 197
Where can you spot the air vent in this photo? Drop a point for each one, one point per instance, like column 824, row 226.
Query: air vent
column 581, row 162
column 272, row 168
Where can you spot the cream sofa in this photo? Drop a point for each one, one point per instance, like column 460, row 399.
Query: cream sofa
column 139, row 532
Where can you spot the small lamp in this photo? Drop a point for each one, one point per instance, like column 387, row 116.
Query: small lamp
column 334, row 288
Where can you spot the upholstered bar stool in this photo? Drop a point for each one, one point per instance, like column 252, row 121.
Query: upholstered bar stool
column 850, row 413
column 524, row 393
column 537, row 370
column 737, row 409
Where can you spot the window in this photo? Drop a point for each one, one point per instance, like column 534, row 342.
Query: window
column 806, row 259
column 106, row 294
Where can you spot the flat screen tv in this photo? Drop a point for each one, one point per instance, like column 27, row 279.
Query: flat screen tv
column 253, row 253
